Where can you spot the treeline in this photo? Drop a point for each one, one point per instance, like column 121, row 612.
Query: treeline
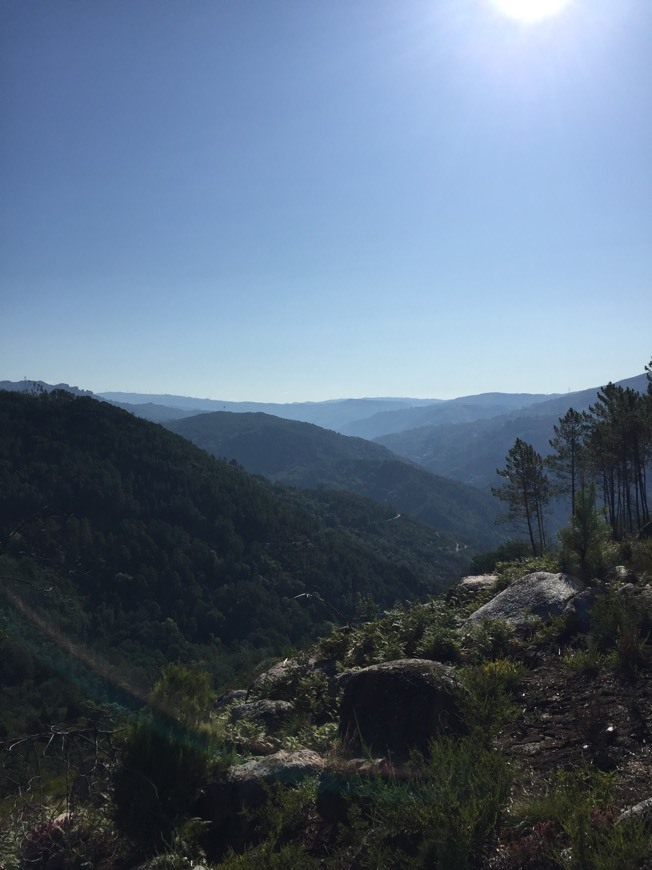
column 599, row 457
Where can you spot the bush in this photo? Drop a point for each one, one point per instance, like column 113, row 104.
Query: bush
column 618, row 625
column 163, row 768
column 439, row 815
column 488, row 705
column 574, row 826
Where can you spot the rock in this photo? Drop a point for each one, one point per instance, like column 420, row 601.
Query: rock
column 397, row 706
column 249, row 780
column 231, row 697
column 639, row 602
column 265, row 684
column 539, row 594
column 279, row 681
column 270, row 714
column 227, row 801
column 578, row 612
column 642, row 810
column 476, row 583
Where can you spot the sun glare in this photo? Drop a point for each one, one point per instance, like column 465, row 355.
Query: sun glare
column 530, row 10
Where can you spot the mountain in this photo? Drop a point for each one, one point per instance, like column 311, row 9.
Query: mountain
column 471, row 452
column 333, row 414
column 305, row 455
column 26, row 386
column 123, row 547
column 462, row 410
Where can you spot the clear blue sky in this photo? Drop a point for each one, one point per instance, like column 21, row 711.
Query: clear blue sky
column 282, row 200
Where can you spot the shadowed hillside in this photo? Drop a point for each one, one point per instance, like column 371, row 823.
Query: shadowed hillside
column 304, row 455
column 124, row 547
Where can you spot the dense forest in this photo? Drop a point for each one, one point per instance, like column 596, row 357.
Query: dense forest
column 308, row 456
column 131, row 548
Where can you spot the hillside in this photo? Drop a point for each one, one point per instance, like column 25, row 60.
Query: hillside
column 124, row 547
column 331, row 414
column 471, row 452
column 462, row 410
column 304, row 455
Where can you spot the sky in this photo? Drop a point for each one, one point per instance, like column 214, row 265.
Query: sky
column 314, row 199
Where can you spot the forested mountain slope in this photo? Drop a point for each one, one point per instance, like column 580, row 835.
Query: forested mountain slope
column 305, row 455
column 471, row 452
column 331, row 414
column 461, row 410
column 124, row 547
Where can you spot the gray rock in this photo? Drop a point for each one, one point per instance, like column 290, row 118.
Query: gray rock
column 396, row 706
column 476, row 583
column 227, row 800
column 249, row 780
column 539, row 594
column 270, row 714
column 578, row 611
column 265, row 684
column 642, row 810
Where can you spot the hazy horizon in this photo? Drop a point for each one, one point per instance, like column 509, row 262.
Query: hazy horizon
column 293, row 202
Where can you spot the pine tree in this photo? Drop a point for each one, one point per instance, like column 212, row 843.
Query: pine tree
column 567, row 460
column 527, row 491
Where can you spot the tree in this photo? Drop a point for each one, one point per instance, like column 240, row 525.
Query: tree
column 567, row 460
column 619, row 449
column 527, row 491
column 585, row 541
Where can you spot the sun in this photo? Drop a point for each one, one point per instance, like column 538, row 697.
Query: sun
column 530, row 10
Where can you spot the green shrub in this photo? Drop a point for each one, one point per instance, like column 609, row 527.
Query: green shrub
column 587, row 549
column 439, row 815
column 163, row 768
column 491, row 639
column 575, row 826
column 617, row 625
column 589, row 661
column 280, row 825
column 488, row 705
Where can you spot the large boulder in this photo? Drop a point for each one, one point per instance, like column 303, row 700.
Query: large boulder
column 397, row 706
column 539, row 594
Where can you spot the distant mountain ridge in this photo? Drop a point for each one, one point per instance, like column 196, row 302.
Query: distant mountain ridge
column 331, row 414
column 472, row 451
column 461, row 410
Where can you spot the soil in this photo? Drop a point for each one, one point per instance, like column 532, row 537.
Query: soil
column 603, row 720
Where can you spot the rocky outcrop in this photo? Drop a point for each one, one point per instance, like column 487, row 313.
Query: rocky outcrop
column 397, row 706
column 270, row 714
column 539, row 594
